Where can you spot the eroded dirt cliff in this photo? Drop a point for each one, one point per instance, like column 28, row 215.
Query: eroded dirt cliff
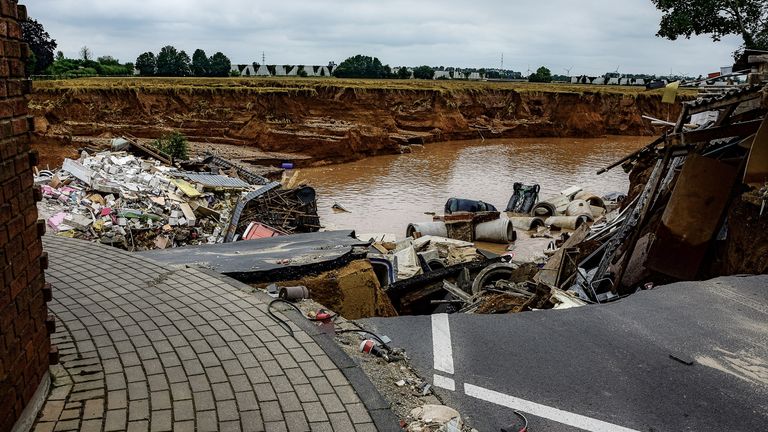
column 335, row 124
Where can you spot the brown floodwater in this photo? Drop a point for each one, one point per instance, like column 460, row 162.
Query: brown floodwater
column 385, row 193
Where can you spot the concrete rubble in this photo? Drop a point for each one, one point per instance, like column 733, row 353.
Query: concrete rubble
column 120, row 199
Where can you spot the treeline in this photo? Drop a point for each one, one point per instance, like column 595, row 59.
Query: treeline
column 86, row 66
column 361, row 66
column 170, row 62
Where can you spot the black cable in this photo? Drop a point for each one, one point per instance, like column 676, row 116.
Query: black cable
column 279, row 320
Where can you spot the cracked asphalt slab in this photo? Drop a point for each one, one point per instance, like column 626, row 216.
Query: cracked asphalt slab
column 685, row 357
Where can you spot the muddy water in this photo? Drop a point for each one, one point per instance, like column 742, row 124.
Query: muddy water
column 386, row 193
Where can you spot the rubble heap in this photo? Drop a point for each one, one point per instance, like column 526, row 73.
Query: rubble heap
column 119, row 199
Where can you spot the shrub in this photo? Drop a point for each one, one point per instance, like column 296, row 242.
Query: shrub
column 174, row 144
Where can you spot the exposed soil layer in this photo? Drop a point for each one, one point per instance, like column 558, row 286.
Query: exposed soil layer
column 332, row 124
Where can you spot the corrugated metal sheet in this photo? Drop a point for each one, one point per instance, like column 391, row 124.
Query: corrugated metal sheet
column 217, row 181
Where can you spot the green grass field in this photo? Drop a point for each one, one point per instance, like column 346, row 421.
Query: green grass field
column 310, row 85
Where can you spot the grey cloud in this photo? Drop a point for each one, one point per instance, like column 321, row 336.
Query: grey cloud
column 591, row 37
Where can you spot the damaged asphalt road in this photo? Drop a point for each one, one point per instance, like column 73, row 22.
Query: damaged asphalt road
column 622, row 366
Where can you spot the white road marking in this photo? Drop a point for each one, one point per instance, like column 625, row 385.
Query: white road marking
column 444, row 382
column 441, row 344
column 560, row 416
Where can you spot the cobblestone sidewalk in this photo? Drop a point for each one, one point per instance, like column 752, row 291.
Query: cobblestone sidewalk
column 146, row 348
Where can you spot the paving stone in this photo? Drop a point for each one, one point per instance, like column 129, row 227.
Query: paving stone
column 69, row 414
column 183, row 410
column 289, row 402
column 91, row 425
column 365, row 427
column 161, row 421
column 204, row 401
column 207, row 421
column 138, row 410
column 251, row 421
column 341, row 422
column 276, row 426
column 321, row 427
column 358, row 413
column 184, row 426
column 216, row 375
column 68, row 425
column 332, row 403
column 94, row 409
column 115, row 420
column 314, row 412
column 51, row 411
column 271, row 412
column 160, row 400
column 222, row 391
column 246, row 401
column 306, row 393
column 181, row 391
column 264, row 392
column 227, row 410
column 240, row 383
column 347, row 394
column 199, row 383
column 296, row 422
column 138, row 390
column 138, row 426
column 117, row 399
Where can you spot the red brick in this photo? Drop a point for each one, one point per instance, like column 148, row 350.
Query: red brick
column 24, row 332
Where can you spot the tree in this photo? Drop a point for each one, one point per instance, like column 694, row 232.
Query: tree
column 172, row 63
column 746, row 18
column 201, row 65
column 108, row 60
column 220, row 65
column 85, row 53
column 146, row 64
column 424, row 72
column 542, row 75
column 183, row 64
column 361, row 66
column 403, row 73
column 40, row 44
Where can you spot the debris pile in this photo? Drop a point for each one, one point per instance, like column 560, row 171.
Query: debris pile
column 119, row 199
column 693, row 211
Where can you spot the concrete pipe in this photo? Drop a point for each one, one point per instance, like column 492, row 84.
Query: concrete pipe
column 591, row 198
column 526, row 223
column 491, row 274
column 578, row 208
column 437, row 229
column 498, row 231
column 551, row 206
column 544, row 209
column 294, row 293
column 567, row 222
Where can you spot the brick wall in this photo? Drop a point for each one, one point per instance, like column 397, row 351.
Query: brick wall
column 25, row 349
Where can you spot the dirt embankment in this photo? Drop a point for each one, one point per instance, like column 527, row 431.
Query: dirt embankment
column 335, row 124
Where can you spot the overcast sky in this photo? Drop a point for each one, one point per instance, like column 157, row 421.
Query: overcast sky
column 591, row 37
